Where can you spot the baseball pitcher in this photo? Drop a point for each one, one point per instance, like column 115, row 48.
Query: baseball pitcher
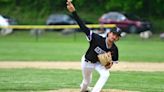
column 100, row 56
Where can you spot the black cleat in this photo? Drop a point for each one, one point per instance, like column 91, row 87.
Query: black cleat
column 85, row 91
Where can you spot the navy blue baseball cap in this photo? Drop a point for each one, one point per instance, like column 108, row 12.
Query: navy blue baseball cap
column 116, row 30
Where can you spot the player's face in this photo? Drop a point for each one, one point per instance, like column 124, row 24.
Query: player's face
column 112, row 37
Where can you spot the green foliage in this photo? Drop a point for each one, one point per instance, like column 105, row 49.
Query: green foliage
column 158, row 25
column 35, row 12
column 152, row 7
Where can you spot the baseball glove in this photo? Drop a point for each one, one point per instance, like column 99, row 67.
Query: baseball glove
column 105, row 58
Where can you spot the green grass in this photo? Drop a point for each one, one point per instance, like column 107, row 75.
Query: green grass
column 132, row 48
column 50, row 79
column 49, row 47
column 53, row 46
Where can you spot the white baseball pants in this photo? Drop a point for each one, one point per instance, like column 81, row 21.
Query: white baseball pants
column 87, row 69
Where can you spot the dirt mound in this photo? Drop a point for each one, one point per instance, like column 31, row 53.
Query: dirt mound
column 121, row 66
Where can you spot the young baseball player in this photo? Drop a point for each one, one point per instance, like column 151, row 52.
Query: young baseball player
column 97, row 45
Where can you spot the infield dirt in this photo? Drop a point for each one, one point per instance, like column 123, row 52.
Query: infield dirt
column 121, row 66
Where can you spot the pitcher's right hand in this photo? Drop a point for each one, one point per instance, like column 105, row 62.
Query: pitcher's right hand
column 70, row 6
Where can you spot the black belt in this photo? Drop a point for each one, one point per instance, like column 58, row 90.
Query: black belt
column 88, row 61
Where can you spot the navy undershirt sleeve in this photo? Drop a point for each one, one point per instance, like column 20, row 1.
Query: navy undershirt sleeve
column 84, row 28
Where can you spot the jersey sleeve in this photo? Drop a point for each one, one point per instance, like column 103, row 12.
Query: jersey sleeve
column 115, row 54
column 84, row 28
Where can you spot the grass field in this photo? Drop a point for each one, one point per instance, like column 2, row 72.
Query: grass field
column 57, row 47
column 53, row 46
column 25, row 80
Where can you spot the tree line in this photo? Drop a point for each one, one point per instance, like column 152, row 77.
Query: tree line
column 141, row 7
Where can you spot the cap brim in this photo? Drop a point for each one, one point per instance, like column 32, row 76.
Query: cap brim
column 119, row 34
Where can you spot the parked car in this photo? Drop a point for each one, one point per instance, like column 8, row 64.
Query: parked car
column 127, row 22
column 62, row 19
column 6, row 21
column 10, row 20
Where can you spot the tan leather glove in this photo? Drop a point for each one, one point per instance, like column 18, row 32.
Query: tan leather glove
column 105, row 59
